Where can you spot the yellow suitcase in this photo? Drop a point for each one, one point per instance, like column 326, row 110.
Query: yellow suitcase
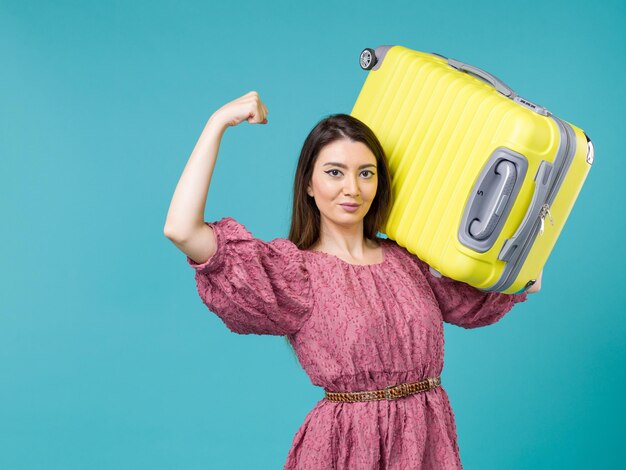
column 482, row 179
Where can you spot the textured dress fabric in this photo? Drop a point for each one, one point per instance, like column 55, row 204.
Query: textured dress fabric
column 354, row 328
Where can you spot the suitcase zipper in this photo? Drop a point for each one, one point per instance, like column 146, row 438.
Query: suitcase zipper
column 545, row 209
column 567, row 135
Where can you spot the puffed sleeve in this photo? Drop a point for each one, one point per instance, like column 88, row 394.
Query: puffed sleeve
column 254, row 286
column 466, row 306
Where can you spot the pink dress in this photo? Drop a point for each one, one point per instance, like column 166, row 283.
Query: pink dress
column 353, row 327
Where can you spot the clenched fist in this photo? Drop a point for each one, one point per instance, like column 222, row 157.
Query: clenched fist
column 248, row 107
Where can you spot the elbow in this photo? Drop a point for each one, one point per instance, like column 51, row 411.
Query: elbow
column 168, row 232
column 180, row 232
column 172, row 234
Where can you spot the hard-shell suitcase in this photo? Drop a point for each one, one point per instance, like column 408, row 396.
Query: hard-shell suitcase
column 483, row 180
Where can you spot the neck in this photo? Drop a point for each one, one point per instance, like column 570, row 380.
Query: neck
column 347, row 239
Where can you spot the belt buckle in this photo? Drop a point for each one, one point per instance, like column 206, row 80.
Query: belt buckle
column 387, row 391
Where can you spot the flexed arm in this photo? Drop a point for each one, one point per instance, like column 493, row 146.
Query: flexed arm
column 184, row 224
column 254, row 286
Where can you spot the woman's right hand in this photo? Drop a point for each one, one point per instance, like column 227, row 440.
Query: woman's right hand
column 248, row 107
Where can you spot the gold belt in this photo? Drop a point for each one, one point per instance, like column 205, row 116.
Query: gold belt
column 392, row 392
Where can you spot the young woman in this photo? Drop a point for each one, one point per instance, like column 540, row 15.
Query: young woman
column 364, row 315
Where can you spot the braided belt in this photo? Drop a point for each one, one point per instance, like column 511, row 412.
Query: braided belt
column 392, row 392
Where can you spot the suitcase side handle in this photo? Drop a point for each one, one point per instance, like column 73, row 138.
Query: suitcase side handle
column 494, row 81
column 488, row 209
column 490, row 201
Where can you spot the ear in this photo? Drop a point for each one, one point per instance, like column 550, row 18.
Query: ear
column 309, row 191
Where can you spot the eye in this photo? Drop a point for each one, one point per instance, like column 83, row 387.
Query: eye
column 330, row 171
column 368, row 171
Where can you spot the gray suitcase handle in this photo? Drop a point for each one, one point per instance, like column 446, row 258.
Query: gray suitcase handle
column 494, row 81
column 542, row 180
column 489, row 210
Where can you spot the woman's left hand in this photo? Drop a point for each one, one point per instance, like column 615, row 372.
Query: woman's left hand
column 536, row 287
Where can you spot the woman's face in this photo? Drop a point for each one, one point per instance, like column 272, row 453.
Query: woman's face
column 345, row 172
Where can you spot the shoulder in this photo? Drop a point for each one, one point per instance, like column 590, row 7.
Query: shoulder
column 237, row 239
column 232, row 229
column 392, row 246
column 227, row 228
column 403, row 254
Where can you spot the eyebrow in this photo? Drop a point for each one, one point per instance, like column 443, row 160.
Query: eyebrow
column 341, row 165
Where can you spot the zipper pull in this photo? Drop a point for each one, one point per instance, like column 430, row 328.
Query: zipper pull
column 545, row 209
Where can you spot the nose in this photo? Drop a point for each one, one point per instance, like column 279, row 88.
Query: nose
column 351, row 187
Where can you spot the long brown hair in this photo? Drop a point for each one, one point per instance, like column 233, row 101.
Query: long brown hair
column 305, row 218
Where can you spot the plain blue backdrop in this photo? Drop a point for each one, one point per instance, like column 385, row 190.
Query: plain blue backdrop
column 109, row 359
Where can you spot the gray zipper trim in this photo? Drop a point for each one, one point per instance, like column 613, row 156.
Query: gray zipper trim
column 562, row 162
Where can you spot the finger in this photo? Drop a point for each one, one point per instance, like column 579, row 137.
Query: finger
column 255, row 118
column 262, row 114
column 259, row 108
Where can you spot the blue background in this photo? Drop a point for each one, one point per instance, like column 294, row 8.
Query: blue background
column 109, row 359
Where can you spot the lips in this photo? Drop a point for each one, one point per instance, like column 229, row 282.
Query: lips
column 350, row 207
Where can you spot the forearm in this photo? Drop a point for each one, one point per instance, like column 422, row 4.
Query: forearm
column 186, row 211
